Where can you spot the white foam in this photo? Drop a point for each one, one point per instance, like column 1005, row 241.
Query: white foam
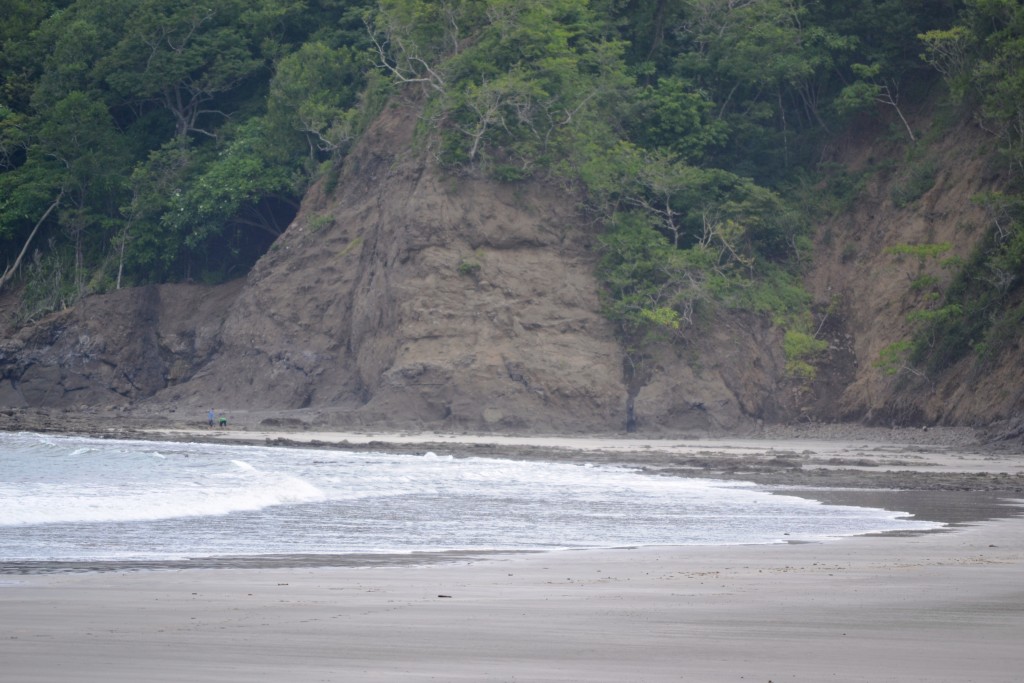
column 187, row 492
column 125, row 500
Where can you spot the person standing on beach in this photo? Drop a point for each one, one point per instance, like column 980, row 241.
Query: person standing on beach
column 210, row 417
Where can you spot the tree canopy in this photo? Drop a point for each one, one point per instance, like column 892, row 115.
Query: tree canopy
column 173, row 138
column 162, row 140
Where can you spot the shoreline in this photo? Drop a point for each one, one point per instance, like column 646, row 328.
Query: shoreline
column 942, row 607
column 936, row 607
column 950, row 505
column 825, row 456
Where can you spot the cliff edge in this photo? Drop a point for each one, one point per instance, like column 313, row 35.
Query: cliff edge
column 405, row 297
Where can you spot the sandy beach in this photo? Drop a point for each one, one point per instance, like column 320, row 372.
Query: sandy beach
column 943, row 606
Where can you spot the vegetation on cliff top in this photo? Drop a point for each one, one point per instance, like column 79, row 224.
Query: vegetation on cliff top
column 161, row 140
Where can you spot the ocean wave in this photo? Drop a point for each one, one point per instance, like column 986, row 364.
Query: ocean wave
column 59, row 504
column 144, row 499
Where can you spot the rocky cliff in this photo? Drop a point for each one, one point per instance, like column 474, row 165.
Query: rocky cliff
column 405, row 297
column 872, row 290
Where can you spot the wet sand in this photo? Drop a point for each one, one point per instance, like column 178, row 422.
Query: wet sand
column 946, row 606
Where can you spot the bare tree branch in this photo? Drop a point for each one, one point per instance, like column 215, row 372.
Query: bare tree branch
column 9, row 273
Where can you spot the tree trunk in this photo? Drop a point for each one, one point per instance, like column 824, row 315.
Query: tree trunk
column 9, row 273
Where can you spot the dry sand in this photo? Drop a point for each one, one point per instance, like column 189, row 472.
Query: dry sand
column 945, row 606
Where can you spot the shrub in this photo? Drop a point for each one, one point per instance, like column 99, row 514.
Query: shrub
column 919, row 178
column 801, row 348
column 469, row 267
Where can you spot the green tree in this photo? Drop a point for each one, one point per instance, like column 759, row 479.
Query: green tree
column 514, row 80
column 149, row 243
column 185, row 56
column 648, row 282
column 79, row 135
column 648, row 27
column 871, row 88
column 999, row 74
column 73, row 164
column 314, row 92
column 678, row 116
column 169, row 72
column 243, row 189
column 20, row 57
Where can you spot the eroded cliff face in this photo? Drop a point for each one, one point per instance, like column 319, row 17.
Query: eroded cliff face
column 404, row 297
column 400, row 297
column 870, row 290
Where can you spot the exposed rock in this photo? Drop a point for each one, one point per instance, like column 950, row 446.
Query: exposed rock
column 113, row 349
column 405, row 297
column 872, row 288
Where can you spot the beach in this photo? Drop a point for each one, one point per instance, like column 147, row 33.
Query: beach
column 939, row 606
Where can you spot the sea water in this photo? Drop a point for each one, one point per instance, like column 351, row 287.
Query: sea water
column 71, row 499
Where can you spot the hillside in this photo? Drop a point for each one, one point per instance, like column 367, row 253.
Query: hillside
column 411, row 298
column 498, row 215
column 405, row 299
column 872, row 289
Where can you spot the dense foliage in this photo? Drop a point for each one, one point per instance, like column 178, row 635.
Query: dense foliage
column 684, row 124
column 155, row 140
